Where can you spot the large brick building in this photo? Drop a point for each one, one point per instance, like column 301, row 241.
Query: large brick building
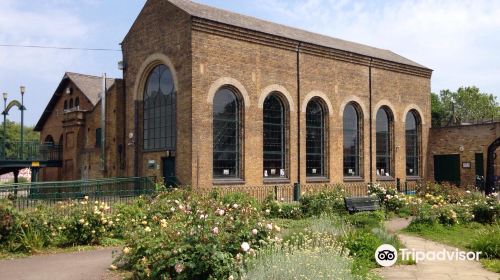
column 210, row 97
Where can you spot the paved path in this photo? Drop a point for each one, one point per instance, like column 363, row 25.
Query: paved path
column 85, row 265
column 430, row 270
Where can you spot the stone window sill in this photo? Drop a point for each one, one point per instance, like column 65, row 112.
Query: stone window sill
column 317, row 180
column 413, row 178
column 226, row 182
column 354, row 179
column 385, row 178
column 276, row 181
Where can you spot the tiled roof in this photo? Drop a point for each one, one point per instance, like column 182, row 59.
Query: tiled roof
column 254, row 24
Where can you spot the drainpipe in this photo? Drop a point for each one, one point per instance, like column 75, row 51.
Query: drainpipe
column 370, row 117
column 298, row 114
column 103, row 124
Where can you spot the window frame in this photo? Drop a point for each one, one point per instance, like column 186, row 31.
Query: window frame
column 238, row 176
column 389, row 156
column 284, row 139
column 159, row 120
column 324, row 148
column 418, row 145
column 358, row 155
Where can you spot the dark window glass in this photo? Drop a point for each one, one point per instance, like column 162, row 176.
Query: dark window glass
column 159, row 110
column 315, row 139
column 352, row 139
column 65, row 104
column 412, row 124
column 71, row 103
column 226, row 134
column 77, row 102
column 384, row 142
column 274, row 137
column 98, row 137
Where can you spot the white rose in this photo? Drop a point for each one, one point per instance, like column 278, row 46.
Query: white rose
column 245, row 246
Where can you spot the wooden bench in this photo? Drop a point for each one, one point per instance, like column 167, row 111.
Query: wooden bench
column 360, row 204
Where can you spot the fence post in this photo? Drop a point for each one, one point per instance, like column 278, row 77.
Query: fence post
column 406, row 187
column 398, row 184
column 276, row 193
column 296, row 192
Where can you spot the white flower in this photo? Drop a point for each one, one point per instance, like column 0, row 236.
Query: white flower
column 81, row 221
column 278, row 229
column 467, row 191
column 126, row 250
column 255, row 231
column 215, row 230
column 245, row 246
column 147, row 229
column 235, row 206
column 220, row 212
column 230, row 277
column 172, row 209
column 144, row 222
column 113, row 267
column 179, row 267
column 268, row 211
column 269, row 226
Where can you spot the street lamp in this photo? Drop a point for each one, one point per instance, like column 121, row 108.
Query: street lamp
column 23, row 90
column 4, row 113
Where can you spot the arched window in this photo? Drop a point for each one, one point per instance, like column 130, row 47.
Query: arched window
column 71, row 103
column 159, row 110
column 77, row 102
column 384, row 127
column 315, row 139
column 49, row 139
column 412, row 126
column 352, row 141
column 65, row 104
column 227, row 128
column 275, row 142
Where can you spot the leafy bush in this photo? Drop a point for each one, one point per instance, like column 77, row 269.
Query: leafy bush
column 486, row 213
column 366, row 219
column 488, row 242
column 8, row 219
column 280, row 210
column 198, row 238
column 324, row 202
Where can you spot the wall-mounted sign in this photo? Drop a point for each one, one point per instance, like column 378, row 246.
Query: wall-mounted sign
column 226, row 172
column 466, row 164
column 35, row 164
column 151, row 164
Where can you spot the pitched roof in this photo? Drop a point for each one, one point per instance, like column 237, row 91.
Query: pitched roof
column 90, row 86
column 251, row 23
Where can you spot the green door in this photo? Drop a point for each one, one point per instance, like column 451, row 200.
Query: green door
column 479, row 164
column 447, row 169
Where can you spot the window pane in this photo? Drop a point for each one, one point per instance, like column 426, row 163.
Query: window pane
column 315, row 139
column 226, row 135
column 274, row 138
column 159, row 114
column 412, row 144
column 383, row 143
column 351, row 141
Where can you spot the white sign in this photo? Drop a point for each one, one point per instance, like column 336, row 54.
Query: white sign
column 265, row 173
column 282, row 172
column 226, row 172
column 313, row 171
column 273, row 171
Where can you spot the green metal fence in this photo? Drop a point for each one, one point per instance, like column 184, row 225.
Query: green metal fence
column 34, row 151
column 109, row 190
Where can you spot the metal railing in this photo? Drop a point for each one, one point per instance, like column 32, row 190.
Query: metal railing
column 31, row 151
column 109, row 190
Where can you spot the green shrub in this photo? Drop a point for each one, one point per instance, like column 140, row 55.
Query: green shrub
column 488, row 242
column 367, row 219
column 485, row 213
column 8, row 218
column 198, row 238
column 324, row 202
column 280, row 210
column 240, row 199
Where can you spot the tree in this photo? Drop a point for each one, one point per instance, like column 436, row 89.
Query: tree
column 13, row 130
column 467, row 104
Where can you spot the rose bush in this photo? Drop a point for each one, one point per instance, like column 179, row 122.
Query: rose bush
column 197, row 238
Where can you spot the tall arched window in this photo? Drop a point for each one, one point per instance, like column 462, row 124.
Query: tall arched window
column 352, row 141
column 65, row 104
column 71, row 103
column 384, row 127
column 227, row 127
column 77, row 102
column 159, row 110
column 49, row 139
column 275, row 142
column 412, row 127
column 315, row 139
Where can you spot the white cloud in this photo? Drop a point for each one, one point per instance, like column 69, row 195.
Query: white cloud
column 460, row 40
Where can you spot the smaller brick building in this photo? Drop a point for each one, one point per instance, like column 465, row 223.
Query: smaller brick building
column 73, row 119
column 461, row 153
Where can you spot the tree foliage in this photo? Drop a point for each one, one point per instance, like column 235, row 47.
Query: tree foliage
column 13, row 131
column 467, row 104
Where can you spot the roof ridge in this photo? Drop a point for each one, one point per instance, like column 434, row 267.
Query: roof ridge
column 87, row 75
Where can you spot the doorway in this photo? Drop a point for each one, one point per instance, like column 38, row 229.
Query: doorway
column 447, row 169
column 169, row 177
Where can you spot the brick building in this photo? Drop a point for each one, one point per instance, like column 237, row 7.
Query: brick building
column 461, row 153
column 210, row 97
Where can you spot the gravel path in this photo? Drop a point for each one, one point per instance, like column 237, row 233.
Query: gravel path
column 429, row 270
column 85, row 265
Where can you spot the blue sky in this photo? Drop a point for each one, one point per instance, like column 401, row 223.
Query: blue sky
column 459, row 39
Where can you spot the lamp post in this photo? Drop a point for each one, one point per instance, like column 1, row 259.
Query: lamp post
column 23, row 89
column 4, row 113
